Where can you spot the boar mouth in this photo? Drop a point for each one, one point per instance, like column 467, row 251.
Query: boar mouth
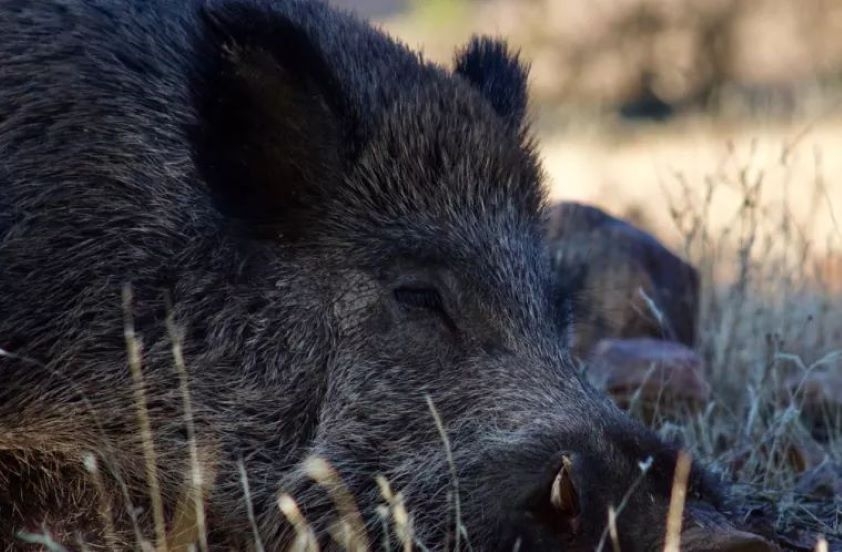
column 698, row 539
column 710, row 531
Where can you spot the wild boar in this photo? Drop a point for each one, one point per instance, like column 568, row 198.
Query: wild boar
column 279, row 213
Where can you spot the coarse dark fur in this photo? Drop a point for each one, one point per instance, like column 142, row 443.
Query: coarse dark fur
column 338, row 230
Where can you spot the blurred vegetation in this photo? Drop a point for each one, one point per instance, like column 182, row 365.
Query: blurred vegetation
column 439, row 13
column 652, row 59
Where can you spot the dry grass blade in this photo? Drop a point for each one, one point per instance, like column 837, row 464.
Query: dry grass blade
column 612, row 529
column 44, row 539
column 656, row 312
column 352, row 533
column 403, row 529
column 133, row 348
column 677, row 500
column 189, row 526
column 92, row 466
column 644, row 466
column 305, row 539
column 457, row 505
column 258, row 543
column 822, row 545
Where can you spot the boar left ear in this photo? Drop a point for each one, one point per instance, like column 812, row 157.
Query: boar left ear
column 273, row 122
column 498, row 74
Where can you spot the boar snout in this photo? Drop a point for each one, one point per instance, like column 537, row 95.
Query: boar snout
column 698, row 539
column 709, row 531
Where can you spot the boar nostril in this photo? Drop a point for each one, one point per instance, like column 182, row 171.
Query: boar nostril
column 563, row 496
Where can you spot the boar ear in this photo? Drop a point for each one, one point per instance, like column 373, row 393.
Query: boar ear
column 498, row 74
column 272, row 121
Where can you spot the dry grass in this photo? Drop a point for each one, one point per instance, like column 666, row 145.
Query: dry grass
column 770, row 317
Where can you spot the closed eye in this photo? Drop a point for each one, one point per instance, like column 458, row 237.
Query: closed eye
column 425, row 298
column 419, row 297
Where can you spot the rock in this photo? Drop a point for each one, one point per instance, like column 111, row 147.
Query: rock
column 624, row 282
column 646, row 104
column 823, row 482
column 654, row 372
column 819, row 397
column 796, row 449
column 763, row 517
column 804, row 540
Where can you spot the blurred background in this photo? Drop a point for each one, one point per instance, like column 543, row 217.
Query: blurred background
column 656, row 109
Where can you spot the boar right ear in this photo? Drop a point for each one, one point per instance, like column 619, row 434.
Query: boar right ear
column 498, row 74
column 272, row 119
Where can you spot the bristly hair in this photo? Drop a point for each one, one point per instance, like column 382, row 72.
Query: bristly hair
column 498, row 73
column 455, row 159
column 285, row 143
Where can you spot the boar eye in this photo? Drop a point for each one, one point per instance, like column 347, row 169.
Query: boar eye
column 420, row 297
column 426, row 298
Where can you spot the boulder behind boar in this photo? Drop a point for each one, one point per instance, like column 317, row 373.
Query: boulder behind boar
column 625, row 283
